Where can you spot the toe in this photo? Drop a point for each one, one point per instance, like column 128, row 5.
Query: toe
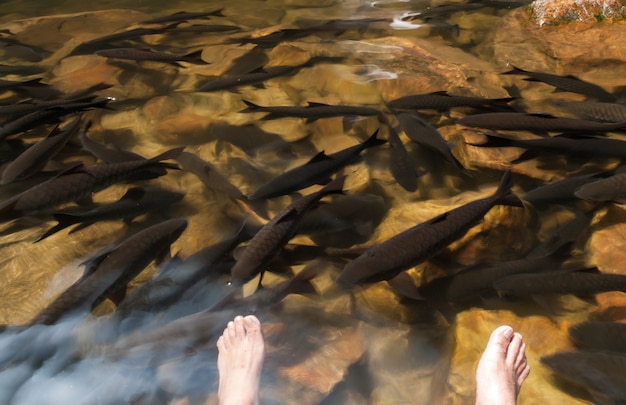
column 513, row 350
column 523, row 375
column 220, row 344
column 500, row 339
column 240, row 330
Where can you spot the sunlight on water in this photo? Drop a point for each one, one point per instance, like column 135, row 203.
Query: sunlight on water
column 384, row 342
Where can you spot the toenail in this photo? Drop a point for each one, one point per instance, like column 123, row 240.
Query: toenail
column 508, row 333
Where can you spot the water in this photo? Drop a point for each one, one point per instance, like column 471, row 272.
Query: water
column 322, row 348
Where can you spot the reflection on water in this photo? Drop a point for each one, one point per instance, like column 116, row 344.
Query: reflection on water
column 380, row 343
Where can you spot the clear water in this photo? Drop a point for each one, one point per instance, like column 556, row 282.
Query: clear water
column 372, row 347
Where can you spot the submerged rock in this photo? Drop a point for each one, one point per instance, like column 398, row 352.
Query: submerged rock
column 553, row 12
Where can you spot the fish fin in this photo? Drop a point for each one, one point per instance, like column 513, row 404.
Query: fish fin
column 64, row 221
column 273, row 116
column 504, row 193
column 373, row 140
column 308, row 120
column 85, row 201
column 169, row 154
column 92, row 264
column 280, row 269
column 335, row 186
column 438, row 218
column 403, row 285
column 195, row 58
column 251, row 106
column 289, row 215
column 515, row 71
column 494, row 141
column 313, row 104
column 527, row 155
column 118, row 295
column 320, row 157
column 440, row 93
column 134, row 193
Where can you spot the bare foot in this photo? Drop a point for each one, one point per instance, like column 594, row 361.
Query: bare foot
column 502, row 368
column 240, row 359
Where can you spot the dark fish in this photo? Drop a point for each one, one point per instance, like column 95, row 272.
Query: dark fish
column 559, row 191
column 184, row 16
column 201, row 28
column 169, row 286
column 603, row 374
column 592, row 110
column 346, row 221
column 336, row 26
column 80, row 182
column 36, row 156
column 100, row 42
column 566, row 83
column 612, row 188
column 114, row 270
column 563, row 282
column 567, row 145
column 315, row 171
column 311, row 112
column 137, row 201
column 417, row 244
column 9, row 84
column 48, row 114
column 603, row 336
column 107, row 153
column 276, row 233
column 147, row 54
column 30, row 106
column 442, row 101
column 209, row 175
column 265, row 297
column 472, row 282
column 440, row 11
column 536, row 122
column 422, row 133
column 401, row 164
column 262, row 74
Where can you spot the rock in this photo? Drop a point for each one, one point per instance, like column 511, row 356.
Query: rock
column 555, row 12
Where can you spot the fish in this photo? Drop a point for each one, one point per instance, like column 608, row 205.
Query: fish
column 136, row 201
column 48, row 114
column 129, row 34
column 422, row 133
column 336, row 26
column 173, row 282
column 150, row 55
column 570, row 84
column 271, row 238
column 79, row 182
column 611, row 188
column 561, row 190
column 260, row 75
column 512, row 121
column 563, row 144
column 346, row 221
column 476, row 280
column 31, row 105
column 401, row 164
column 603, row 374
column 602, row 336
column 266, row 297
column 107, row 153
column 36, row 156
column 443, row 10
column 11, row 84
column 317, row 170
column 311, row 112
column 184, row 16
column 580, row 283
column 407, row 249
column 115, row 268
column 593, row 110
column 209, row 175
column 442, row 101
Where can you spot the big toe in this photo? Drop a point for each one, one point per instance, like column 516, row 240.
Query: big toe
column 500, row 339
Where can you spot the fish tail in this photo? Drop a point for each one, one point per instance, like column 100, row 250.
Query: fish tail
column 504, row 195
column 64, row 221
column 335, row 186
column 170, row 154
column 373, row 140
column 494, row 141
column 515, row 71
column 251, row 107
column 195, row 58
